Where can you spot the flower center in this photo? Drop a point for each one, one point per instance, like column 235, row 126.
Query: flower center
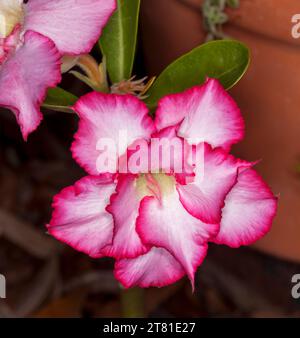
column 11, row 14
column 157, row 185
column 9, row 44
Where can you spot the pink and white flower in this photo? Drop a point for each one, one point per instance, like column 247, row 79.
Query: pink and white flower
column 158, row 226
column 33, row 38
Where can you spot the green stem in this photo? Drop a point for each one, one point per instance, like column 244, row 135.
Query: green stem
column 132, row 303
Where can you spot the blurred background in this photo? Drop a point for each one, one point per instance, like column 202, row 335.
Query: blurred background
column 47, row 279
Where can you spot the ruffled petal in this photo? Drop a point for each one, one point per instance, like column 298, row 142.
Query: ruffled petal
column 157, row 268
column 166, row 223
column 124, row 206
column 250, row 208
column 204, row 198
column 73, row 25
column 207, row 114
column 112, row 117
column 79, row 217
column 25, row 77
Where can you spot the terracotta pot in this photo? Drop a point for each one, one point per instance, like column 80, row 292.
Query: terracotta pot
column 269, row 94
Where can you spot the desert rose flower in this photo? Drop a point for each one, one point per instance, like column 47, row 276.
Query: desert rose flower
column 158, row 225
column 33, row 38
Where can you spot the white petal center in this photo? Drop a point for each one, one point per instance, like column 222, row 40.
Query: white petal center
column 11, row 14
column 158, row 185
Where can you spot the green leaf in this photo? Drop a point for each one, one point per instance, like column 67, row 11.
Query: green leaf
column 118, row 40
column 226, row 60
column 233, row 3
column 59, row 97
column 61, row 109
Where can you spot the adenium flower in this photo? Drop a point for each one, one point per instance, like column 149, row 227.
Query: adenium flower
column 34, row 35
column 158, row 226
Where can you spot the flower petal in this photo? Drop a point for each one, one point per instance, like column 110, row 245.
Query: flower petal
column 25, row 77
column 166, row 223
column 169, row 154
column 124, row 206
column 204, row 198
column 207, row 114
column 79, row 217
column 73, row 25
column 248, row 213
column 108, row 116
column 157, row 268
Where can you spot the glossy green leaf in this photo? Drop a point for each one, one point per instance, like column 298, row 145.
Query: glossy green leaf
column 226, row 60
column 59, row 97
column 118, row 40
